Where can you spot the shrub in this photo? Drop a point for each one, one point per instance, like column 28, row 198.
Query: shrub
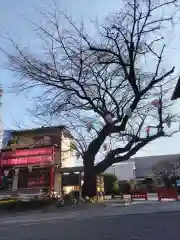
column 35, row 204
column 8, row 205
column 110, row 184
column 21, row 205
column 125, row 188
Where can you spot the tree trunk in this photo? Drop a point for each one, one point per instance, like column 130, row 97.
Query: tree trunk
column 89, row 186
column 166, row 181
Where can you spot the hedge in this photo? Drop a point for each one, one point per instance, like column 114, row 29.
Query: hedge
column 20, row 205
column 110, row 184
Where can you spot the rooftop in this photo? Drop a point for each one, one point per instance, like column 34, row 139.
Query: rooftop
column 42, row 130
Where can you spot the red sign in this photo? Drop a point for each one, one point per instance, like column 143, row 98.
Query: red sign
column 28, row 156
column 27, row 152
column 27, row 160
column 37, row 182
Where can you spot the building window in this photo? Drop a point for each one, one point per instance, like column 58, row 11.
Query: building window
column 66, row 133
column 39, row 177
column 12, row 140
column 23, row 178
column 45, row 140
column 36, row 178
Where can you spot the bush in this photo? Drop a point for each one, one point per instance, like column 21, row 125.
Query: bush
column 35, row 204
column 110, row 184
column 21, row 206
column 8, row 205
column 125, row 188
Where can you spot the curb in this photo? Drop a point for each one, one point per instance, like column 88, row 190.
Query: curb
column 80, row 218
column 162, row 212
column 138, row 203
column 127, row 205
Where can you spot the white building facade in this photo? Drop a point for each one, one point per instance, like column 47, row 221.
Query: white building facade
column 124, row 171
column 140, row 167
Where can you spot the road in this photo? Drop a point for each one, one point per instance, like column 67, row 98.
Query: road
column 73, row 226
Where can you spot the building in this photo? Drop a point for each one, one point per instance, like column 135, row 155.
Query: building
column 140, row 167
column 30, row 158
column 124, row 171
column 145, row 165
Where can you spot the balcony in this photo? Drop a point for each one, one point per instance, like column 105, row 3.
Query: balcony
column 31, row 142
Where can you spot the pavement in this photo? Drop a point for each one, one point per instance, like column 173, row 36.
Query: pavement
column 151, row 198
column 144, row 221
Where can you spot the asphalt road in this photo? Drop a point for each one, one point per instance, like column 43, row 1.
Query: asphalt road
column 153, row 226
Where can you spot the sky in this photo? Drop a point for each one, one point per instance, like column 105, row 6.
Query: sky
column 15, row 19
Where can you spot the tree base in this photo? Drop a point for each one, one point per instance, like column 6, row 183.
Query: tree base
column 89, row 186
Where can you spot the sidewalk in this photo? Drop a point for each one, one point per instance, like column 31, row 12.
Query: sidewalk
column 92, row 211
column 152, row 198
column 67, row 213
column 145, row 207
column 53, row 209
column 102, row 209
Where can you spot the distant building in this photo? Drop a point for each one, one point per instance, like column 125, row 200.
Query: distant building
column 144, row 165
column 124, row 170
column 140, row 167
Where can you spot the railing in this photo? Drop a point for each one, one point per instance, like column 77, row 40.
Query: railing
column 167, row 193
column 139, row 195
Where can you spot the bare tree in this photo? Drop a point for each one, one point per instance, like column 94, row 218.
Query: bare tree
column 165, row 171
column 118, row 79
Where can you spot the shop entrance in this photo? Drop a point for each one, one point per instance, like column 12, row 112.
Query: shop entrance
column 67, row 181
column 35, row 179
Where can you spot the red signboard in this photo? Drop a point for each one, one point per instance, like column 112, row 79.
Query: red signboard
column 37, row 182
column 27, row 152
column 27, row 156
column 27, row 160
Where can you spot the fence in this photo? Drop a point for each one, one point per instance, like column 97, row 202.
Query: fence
column 167, row 193
column 162, row 193
column 139, row 195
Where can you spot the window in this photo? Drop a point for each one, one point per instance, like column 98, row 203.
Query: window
column 45, row 140
column 66, row 134
column 36, row 178
column 23, row 178
column 12, row 140
column 6, row 181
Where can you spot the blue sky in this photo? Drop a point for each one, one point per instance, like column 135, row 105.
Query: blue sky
column 14, row 17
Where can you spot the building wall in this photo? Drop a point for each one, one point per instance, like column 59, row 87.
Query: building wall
column 144, row 165
column 31, row 139
column 62, row 142
column 124, row 171
column 68, row 160
column 63, row 153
